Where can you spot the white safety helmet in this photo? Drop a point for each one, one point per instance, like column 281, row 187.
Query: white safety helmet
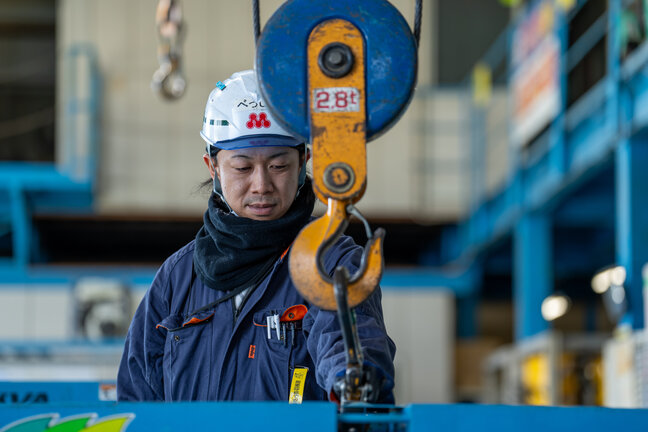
column 236, row 117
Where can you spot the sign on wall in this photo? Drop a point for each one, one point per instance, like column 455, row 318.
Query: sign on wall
column 535, row 83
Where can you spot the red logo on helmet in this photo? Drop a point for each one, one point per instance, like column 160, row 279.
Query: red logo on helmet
column 258, row 122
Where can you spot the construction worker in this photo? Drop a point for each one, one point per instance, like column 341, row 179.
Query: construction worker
column 222, row 319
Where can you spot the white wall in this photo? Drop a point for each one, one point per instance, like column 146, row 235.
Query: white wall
column 150, row 150
column 44, row 312
column 497, row 143
column 35, row 312
column 440, row 179
column 422, row 324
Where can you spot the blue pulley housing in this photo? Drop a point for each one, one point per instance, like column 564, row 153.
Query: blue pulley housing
column 390, row 60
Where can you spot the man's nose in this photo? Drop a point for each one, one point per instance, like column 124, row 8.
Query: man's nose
column 261, row 181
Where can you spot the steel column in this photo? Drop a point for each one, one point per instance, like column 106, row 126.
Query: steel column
column 631, row 178
column 20, row 226
column 532, row 272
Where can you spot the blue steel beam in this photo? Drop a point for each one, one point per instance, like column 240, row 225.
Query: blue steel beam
column 462, row 282
column 632, row 215
column 55, row 277
column 532, row 272
column 21, row 224
column 636, row 84
column 27, row 188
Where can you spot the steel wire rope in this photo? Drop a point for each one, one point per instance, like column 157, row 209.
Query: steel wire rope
column 255, row 20
column 418, row 12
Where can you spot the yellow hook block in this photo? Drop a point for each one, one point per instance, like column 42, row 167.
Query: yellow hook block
column 337, row 115
column 336, row 85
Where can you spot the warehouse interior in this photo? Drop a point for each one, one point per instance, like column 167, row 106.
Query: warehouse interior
column 510, row 192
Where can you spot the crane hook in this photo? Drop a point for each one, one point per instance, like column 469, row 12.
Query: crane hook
column 307, row 256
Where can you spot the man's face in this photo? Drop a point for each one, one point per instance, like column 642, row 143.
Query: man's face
column 260, row 182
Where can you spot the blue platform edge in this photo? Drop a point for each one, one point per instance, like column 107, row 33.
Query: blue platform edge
column 317, row 416
column 503, row 418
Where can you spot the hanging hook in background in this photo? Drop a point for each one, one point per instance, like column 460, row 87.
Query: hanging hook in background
column 168, row 79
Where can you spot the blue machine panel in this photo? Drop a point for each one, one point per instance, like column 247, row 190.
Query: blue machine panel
column 36, row 392
column 464, row 418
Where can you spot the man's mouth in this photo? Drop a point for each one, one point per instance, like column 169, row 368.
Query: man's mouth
column 261, row 209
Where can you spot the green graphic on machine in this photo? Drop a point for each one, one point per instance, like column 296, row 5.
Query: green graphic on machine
column 78, row 423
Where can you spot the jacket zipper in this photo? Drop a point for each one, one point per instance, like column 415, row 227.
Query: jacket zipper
column 245, row 298
column 234, row 311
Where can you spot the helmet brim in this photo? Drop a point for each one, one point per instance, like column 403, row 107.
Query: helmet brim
column 251, row 141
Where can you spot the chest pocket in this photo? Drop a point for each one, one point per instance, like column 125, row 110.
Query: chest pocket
column 274, row 354
column 187, row 356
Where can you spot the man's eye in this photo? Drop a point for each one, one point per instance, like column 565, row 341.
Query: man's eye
column 278, row 167
column 242, row 169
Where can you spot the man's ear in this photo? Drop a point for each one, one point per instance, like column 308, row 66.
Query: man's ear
column 211, row 165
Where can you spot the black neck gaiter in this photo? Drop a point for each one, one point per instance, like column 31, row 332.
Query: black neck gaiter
column 233, row 252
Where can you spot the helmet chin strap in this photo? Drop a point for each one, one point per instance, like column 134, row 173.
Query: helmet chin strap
column 216, row 184
column 302, row 177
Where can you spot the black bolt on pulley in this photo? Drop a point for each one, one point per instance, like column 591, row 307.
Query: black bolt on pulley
column 335, row 60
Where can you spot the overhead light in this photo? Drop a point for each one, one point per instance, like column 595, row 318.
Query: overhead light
column 555, row 306
column 609, row 276
column 601, row 282
column 609, row 282
column 617, row 275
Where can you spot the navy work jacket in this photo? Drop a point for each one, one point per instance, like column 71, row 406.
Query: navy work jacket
column 219, row 354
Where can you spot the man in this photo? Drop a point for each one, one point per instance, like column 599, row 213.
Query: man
column 222, row 319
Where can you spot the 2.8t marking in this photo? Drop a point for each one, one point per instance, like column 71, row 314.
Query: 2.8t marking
column 336, row 99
